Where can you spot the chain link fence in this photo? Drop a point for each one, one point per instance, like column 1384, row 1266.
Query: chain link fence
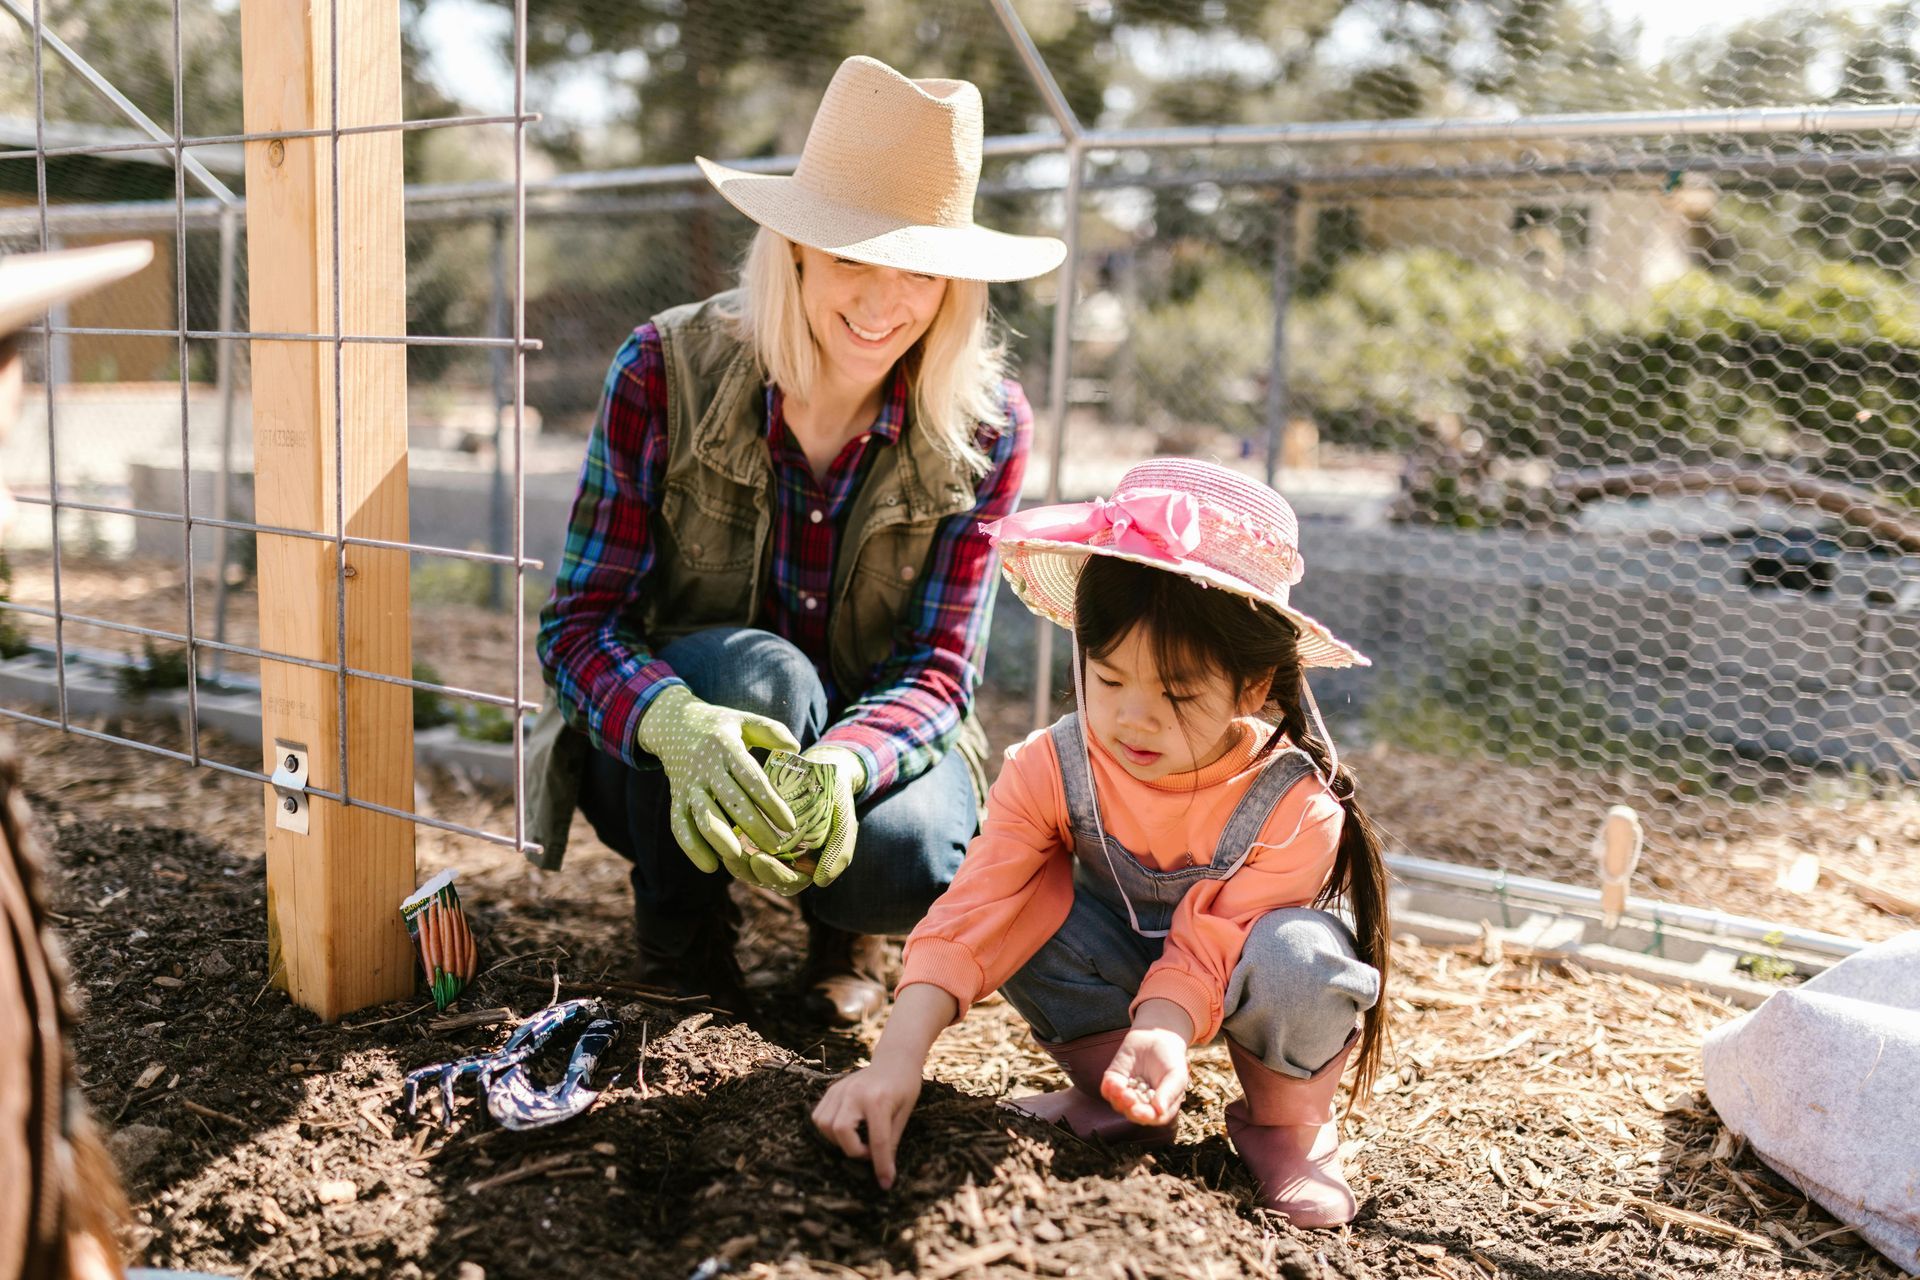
column 1593, row 369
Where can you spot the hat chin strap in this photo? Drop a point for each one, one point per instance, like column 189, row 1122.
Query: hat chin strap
column 1320, row 727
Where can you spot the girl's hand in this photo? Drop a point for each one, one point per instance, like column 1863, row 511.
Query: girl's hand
column 1148, row 1075
column 865, row 1113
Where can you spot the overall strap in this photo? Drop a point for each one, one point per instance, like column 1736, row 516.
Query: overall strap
column 1242, row 831
column 1093, row 798
column 1070, row 749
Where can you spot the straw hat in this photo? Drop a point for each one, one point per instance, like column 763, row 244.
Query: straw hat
column 30, row 283
column 1195, row 519
column 888, row 177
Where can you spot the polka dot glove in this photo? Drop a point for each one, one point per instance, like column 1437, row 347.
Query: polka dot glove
column 715, row 785
column 834, row 850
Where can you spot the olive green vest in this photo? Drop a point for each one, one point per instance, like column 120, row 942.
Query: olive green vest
column 713, row 544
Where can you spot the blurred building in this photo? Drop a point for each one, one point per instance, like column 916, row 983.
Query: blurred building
column 147, row 300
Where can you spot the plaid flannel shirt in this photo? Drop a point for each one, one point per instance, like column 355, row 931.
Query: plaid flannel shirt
column 606, row 673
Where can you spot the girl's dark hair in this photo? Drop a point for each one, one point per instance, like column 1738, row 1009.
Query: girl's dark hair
column 1197, row 632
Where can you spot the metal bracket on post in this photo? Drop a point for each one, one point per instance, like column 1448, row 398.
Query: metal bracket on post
column 290, row 786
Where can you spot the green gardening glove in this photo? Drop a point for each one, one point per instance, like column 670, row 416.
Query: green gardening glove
column 829, row 827
column 714, row 785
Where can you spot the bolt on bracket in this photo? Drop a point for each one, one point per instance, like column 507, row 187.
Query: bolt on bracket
column 291, row 805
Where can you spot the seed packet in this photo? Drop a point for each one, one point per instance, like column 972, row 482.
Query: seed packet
column 439, row 928
column 806, row 787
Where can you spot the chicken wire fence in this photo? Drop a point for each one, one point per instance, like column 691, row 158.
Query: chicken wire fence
column 1596, row 378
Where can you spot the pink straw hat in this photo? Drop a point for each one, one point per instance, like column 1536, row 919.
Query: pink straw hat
column 1195, row 519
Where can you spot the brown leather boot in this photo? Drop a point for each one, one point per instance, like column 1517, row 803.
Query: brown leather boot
column 844, row 975
column 693, row 957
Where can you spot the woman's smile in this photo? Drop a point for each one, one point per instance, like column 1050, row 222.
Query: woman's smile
column 869, row 337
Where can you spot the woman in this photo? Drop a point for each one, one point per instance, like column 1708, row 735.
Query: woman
column 776, row 544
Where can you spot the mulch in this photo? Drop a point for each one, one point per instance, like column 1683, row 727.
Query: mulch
column 1536, row 1120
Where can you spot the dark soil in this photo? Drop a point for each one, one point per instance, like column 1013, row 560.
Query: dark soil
column 259, row 1141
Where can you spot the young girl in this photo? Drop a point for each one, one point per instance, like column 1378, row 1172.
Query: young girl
column 1152, row 870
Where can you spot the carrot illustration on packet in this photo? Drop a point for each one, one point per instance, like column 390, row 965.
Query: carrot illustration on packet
column 439, row 928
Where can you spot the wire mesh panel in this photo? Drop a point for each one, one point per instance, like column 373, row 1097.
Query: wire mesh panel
column 131, row 579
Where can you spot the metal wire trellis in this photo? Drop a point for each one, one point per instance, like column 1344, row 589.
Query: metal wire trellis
column 175, row 144
column 1506, row 624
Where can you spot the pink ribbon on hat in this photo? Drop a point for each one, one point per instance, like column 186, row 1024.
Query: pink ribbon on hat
column 1153, row 523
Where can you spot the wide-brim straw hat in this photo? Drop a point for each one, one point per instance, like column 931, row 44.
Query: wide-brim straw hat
column 887, row 177
column 1192, row 518
column 31, row 283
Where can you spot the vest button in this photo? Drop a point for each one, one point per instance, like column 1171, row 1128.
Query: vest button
column 811, row 601
column 815, row 515
column 906, row 573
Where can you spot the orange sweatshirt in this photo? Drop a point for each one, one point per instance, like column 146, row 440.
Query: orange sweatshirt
column 1015, row 886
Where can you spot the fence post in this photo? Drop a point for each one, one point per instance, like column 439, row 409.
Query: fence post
column 1286, row 221
column 326, row 255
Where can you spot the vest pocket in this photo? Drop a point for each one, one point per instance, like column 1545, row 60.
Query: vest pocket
column 705, row 531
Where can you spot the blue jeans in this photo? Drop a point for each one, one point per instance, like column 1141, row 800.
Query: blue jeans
column 911, row 838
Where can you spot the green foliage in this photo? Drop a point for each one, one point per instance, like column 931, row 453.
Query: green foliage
column 1507, row 693
column 1397, row 340
column 1771, row 967
column 1825, row 370
column 430, row 709
column 443, row 580
column 157, row 670
column 1200, row 359
column 484, row 722
column 13, row 637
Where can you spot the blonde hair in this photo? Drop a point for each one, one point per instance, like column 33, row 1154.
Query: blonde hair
column 954, row 371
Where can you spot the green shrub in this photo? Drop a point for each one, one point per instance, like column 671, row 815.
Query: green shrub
column 156, row 670
column 13, row 637
column 484, row 722
column 1396, row 342
column 1200, row 360
column 1506, row 693
column 430, row 709
column 1824, row 370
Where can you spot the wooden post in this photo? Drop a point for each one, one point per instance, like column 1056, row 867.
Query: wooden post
column 335, row 938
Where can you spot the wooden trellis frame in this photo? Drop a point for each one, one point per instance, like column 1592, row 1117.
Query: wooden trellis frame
column 326, row 256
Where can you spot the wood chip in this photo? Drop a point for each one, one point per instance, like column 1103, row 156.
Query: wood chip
column 520, row 1173
column 153, row 1072
column 1875, row 896
column 1505, row 1049
column 1666, row 1214
column 211, row 1114
column 978, row 1256
column 475, row 1018
column 336, row 1191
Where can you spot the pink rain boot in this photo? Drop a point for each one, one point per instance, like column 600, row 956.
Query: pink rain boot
column 1081, row 1108
column 1284, row 1129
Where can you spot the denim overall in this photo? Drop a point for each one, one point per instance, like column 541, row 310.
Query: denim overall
column 1298, row 987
